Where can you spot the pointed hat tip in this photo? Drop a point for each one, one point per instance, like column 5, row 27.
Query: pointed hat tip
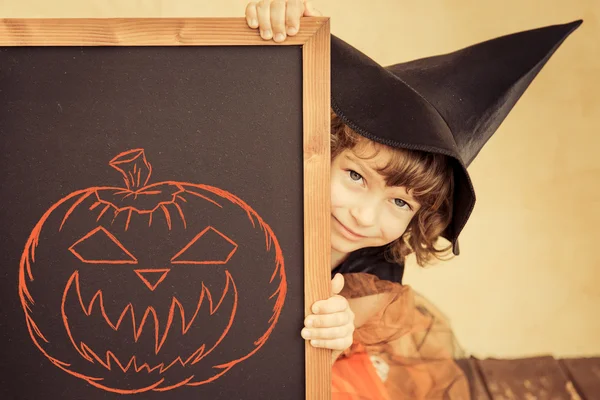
column 571, row 26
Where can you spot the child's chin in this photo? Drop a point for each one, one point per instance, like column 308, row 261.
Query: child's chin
column 344, row 246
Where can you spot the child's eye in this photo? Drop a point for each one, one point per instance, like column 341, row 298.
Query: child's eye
column 355, row 176
column 402, row 204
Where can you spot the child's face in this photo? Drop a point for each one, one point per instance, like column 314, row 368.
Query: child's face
column 365, row 212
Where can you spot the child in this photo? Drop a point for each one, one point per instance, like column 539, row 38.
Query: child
column 402, row 138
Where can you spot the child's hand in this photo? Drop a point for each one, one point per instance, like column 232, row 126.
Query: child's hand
column 278, row 18
column 332, row 323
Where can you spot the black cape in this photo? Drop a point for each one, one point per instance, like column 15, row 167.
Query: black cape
column 371, row 260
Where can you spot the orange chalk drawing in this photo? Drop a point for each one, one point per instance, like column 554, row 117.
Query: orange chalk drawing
column 146, row 276
column 119, row 284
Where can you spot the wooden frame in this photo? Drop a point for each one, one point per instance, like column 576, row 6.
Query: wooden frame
column 315, row 41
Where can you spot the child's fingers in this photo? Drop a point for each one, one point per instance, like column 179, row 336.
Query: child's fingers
column 328, row 320
column 293, row 13
column 333, row 344
column 331, row 305
column 310, row 10
column 251, row 15
column 337, row 332
column 337, row 283
column 263, row 10
column 278, row 20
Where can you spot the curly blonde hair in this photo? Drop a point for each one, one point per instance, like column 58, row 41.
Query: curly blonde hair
column 430, row 179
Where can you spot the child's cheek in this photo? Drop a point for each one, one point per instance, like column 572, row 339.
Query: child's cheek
column 394, row 228
column 337, row 193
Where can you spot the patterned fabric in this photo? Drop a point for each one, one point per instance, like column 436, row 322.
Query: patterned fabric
column 356, row 378
column 405, row 351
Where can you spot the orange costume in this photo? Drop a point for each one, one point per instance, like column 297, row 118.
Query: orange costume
column 405, row 351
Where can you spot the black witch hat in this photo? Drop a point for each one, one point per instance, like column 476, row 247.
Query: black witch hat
column 449, row 104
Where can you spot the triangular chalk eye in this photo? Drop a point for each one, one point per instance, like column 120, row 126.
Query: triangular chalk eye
column 100, row 246
column 208, row 247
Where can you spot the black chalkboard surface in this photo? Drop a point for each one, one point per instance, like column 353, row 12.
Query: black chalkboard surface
column 153, row 221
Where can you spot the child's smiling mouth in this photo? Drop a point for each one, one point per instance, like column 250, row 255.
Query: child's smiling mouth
column 346, row 232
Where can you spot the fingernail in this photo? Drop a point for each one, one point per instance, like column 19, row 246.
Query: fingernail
column 292, row 30
column 315, row 343
column 309, row 322
column 267, row 34
column 315, row 310
column 305, row 333
column 254, row 23
column 280, row 37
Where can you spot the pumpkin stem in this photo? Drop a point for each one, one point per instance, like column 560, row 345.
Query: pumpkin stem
column 134, row 167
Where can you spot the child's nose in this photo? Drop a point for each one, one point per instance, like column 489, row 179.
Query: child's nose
column 364, row 215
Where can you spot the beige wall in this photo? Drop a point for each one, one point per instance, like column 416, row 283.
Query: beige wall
column 528, row 278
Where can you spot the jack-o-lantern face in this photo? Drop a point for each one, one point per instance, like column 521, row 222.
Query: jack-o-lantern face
column 134, row 289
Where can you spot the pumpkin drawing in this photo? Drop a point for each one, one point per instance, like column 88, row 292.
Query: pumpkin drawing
column 138, row 288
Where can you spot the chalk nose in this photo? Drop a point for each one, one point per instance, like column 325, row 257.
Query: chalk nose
column 152, row 277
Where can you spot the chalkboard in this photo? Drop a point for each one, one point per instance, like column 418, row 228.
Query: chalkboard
column 165, row 208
